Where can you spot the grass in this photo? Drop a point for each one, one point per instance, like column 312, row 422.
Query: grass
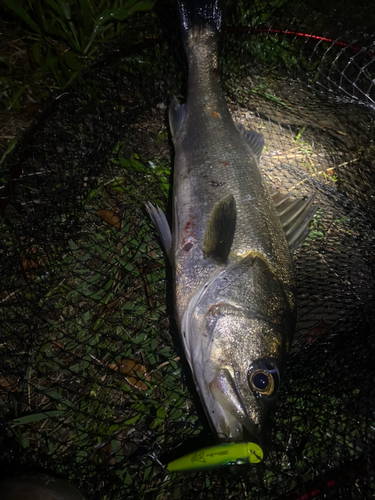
column 104, row 330
column 66, row 36
column 102, row 380
column 47, row 44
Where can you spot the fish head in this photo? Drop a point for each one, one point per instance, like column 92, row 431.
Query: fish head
column 243, row 377
column 245, row 327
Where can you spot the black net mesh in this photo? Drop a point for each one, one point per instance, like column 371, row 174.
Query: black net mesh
column 92, row 388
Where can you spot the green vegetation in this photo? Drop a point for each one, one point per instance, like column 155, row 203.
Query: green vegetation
column 64, row 37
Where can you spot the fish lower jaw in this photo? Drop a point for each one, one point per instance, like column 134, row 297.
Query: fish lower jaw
column 230, row 430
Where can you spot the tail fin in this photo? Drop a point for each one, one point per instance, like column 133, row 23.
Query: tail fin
column 201, row 13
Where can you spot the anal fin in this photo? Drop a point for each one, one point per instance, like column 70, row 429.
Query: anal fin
column 295, row 216
column 254, row 140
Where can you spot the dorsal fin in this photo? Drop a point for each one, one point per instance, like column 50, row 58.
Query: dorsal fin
column 295, row 216
column 253, row 139
column 220, row 229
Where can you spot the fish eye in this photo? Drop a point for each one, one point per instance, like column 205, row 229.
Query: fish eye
column 262, row 381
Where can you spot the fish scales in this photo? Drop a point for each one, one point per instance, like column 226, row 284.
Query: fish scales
column 211, row 161
column 230, row 247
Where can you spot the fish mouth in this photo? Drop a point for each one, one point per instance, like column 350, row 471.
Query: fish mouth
column 235, row 424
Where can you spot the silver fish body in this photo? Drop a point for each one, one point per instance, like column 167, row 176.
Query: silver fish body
column 234, row 280
column 238, row 315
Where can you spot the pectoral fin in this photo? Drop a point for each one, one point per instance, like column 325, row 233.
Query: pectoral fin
column 295, row 216
column 219, row 233
column 161, row 224
column 253, row 139
column 176, row 115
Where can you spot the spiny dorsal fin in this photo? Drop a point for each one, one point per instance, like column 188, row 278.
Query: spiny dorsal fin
column 176, row 115
column 253, row 139
column 295, row 216
column 218, row 237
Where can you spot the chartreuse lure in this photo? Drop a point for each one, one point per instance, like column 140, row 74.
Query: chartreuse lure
column 217, row 456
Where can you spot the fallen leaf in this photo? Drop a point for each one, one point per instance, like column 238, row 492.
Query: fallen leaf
column 57, row 344
column 111, row 217
column 317, row 331
column 124, row 449
column 30, row 109
column 132, row 372
column 8, row 385
column 29, row 265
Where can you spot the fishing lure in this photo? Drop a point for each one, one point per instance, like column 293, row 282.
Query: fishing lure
column 221, row 455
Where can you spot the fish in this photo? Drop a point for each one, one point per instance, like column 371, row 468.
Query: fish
column 230, row 246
